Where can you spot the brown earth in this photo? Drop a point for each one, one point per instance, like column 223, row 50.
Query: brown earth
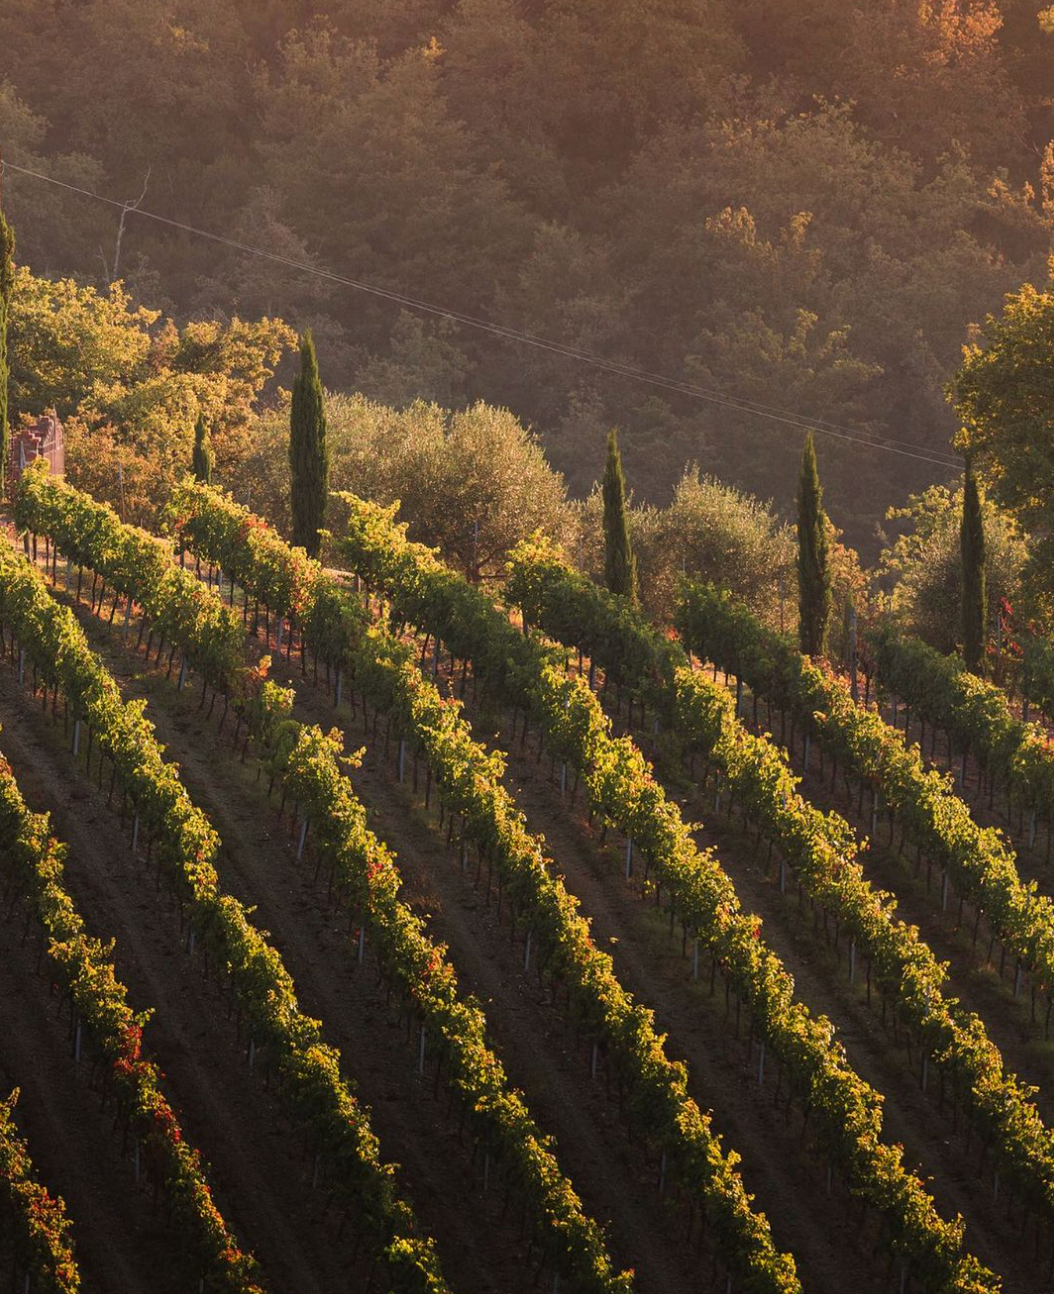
column 909, row 1117
column 260, row 1175
column 540, row 1051
column 645, row 957
column 973, row 979
column 481, row 1244
column 821, row 1230
column 120, row 1242
column 890, row 864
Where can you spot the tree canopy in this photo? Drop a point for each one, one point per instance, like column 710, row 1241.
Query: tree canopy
column 620, row 565
column 132, row 386
column 1004, row 393
column 801, row 205
column 814, row 566
column 921, row 565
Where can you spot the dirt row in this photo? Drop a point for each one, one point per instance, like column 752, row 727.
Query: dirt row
column 121, row 1243
column 1015, row 1025
column 975, row 978
column 910, row 1117
column 818, row 1228
column 539, row 1050
column 821, row 1229
column 893, row 866
column 259, row 1171
column 521, row 1013
column 988, row 806
column 644, row 960
column 890, row 866
column 481, row 1242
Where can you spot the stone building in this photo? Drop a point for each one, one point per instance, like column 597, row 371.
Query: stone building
column 42, row 439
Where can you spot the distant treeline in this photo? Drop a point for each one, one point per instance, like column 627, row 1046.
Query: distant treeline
column 803, row 204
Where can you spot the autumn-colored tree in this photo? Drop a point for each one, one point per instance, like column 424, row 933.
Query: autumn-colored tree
column 922, row 565
column 851, row 183
column 112, row 370
column 1004, row 394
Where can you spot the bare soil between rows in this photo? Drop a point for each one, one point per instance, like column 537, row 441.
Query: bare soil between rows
column 974, row 977
column 910, row 1117
column 993, row 1230
column 258, row 1170
column 481, row 1242
column 541, row 1053
column 824, row 1229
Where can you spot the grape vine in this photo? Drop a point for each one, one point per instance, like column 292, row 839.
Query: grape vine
column 468, row 779
column 620, row 786
column 84, row 968
column 186, row 847
column 820, row 847
column 42, row 1230
column 310, row 769
column 922, row 799
column 974, row 713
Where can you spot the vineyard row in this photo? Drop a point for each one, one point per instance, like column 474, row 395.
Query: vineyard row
column 821, row 849
column 621, row 787
column 186, row 847
column 84, row 969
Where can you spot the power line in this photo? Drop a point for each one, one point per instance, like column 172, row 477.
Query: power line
column 758, row 409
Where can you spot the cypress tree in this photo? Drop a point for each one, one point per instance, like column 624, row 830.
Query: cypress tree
column 204, row 459
column 620, row 565
column 814, row 571
column 7, row 284
column 308, row 452
column 974, row 592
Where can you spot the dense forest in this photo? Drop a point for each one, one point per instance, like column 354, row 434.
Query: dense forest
column 806, row 206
